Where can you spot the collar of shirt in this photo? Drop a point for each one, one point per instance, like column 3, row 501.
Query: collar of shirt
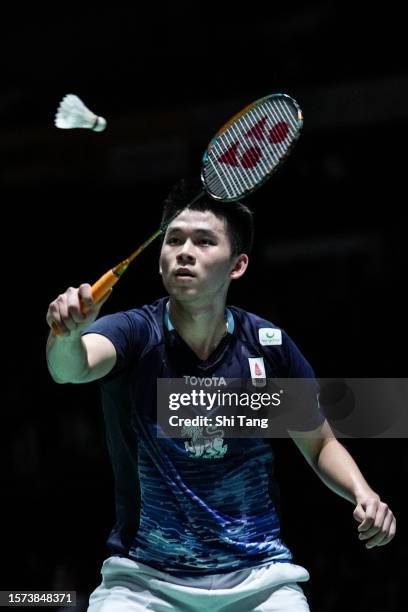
column 229, row 318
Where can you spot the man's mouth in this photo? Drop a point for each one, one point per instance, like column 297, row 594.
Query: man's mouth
column 184, row 272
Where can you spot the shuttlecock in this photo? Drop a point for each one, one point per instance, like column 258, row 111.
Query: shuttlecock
column 72, row 113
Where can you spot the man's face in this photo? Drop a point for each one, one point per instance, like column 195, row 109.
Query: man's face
column 195, row 259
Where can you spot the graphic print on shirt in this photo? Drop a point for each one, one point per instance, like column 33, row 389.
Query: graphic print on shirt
column 218, row 519
column 208, row 444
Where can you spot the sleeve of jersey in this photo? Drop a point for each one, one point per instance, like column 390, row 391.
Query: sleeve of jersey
column 129, row 334
column 305, row 411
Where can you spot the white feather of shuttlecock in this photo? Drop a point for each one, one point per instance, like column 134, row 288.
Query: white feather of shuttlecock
column 72, row 113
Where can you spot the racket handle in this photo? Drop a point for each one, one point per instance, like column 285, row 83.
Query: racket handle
column 100, row 288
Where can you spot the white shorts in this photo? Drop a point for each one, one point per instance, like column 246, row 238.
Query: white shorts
column 130, row 586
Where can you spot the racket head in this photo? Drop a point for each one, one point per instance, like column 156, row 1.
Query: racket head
column 250, row 147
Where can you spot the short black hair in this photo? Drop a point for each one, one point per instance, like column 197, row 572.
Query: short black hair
column 238, row 217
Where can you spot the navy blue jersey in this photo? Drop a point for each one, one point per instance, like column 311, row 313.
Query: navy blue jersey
column 182, row 506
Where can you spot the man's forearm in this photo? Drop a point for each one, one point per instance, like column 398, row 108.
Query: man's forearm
column 338, row 470
column 67, row 358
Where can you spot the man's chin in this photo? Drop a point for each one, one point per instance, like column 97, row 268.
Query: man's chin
column 181, row 289
column 185, row 294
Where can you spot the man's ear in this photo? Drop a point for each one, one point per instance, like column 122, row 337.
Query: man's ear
column 240, row 265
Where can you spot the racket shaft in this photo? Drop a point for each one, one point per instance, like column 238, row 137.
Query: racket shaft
column 110, row 278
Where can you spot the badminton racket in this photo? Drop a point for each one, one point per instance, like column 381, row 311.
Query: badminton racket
column 240, row 158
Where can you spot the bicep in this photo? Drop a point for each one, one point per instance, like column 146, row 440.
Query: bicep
column 101, row 355
column 310, row 443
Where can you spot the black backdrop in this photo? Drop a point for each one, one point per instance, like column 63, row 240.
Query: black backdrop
column 328, row 263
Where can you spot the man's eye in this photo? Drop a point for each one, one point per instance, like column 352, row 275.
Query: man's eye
column 206, row 241
column 173, row 240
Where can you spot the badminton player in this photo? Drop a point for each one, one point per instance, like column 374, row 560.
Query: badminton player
column 197, row 526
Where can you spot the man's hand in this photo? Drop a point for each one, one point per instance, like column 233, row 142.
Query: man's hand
column 74, row 310
column 377, row 522
column 71, row 357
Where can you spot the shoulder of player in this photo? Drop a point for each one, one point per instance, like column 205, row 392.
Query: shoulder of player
column 138, row 324
column 257, row 328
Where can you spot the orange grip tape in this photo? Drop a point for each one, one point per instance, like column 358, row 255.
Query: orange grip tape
column 99, row 290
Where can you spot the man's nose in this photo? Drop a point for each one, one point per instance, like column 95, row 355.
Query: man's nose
column 186, row 253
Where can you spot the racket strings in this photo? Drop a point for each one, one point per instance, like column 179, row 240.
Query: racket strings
column 292, row 123
column 238, row 130
column 231, row 137
column 270, row 151
column 232, row 187
column 254, row 129
column 228, row 176
column 249, row 156
column 279, row 113
column 252, row 159
column 224, row 173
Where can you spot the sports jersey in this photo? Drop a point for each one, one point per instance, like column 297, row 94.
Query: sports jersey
column 205, row 504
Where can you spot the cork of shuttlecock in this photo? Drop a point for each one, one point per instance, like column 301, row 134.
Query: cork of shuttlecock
column 72, row 113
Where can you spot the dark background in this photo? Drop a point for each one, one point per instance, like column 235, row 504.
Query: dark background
column 328, row 264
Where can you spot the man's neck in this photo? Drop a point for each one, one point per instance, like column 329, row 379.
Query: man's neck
column 201, row 327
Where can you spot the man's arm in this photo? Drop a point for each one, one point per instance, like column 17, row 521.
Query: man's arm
column 338, row 470
column 79, row 359
column 72, row 357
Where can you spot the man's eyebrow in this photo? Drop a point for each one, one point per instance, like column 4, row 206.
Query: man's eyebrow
column 197, row 230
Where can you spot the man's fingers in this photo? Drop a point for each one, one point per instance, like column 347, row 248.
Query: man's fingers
column 380, row 534
column 377, row 522
column 381, row 513
column 391, row 531
column 370, row 514
column 75, row 309
column 53, row 317
column 359, row 513
column 58, row 313
column 85, row 296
